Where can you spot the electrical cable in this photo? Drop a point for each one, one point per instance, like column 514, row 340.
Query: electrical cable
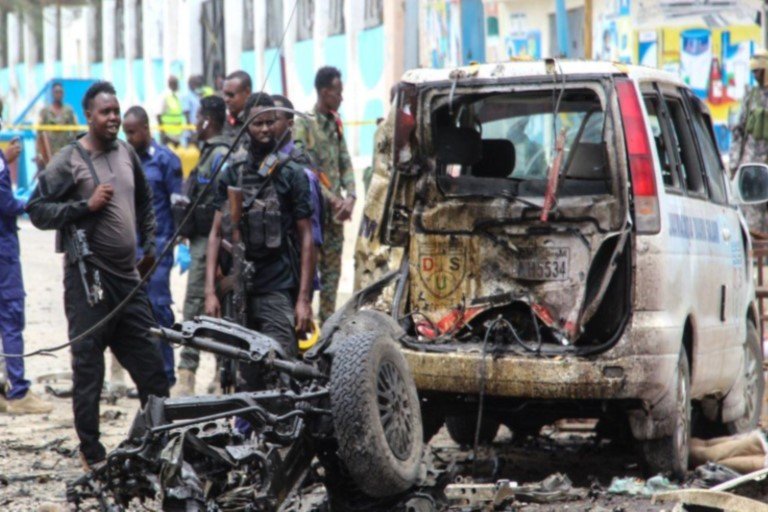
column 171, row 243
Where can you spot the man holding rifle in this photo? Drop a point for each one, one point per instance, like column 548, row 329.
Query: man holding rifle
column 270, row 209
column 94, row 193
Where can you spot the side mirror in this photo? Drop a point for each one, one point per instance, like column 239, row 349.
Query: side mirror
column 751, row 183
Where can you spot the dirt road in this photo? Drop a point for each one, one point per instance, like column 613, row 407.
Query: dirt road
column 38, row 453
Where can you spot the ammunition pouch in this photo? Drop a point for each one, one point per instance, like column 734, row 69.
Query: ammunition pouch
column 179, row 212
column 204, row 218
column 198, row 224
column 262, row 229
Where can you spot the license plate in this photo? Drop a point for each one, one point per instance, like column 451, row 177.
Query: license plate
column 544, row 265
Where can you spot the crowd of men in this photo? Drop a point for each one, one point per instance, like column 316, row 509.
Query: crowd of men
column 290, row 176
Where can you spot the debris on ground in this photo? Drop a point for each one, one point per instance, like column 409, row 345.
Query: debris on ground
column 639, row 487
column 711, row 474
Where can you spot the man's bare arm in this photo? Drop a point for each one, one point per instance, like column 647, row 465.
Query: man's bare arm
column 212, row 306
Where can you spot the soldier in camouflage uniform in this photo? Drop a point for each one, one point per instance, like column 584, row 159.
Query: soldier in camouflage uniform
column 749, row 142
column 57, row 113
column 323, row 137
column 211, row 117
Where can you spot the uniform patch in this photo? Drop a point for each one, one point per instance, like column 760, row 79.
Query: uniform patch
column 442, row 269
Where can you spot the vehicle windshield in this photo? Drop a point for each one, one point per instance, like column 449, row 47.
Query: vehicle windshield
column 509, row 139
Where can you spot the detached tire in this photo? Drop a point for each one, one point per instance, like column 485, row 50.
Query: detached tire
column 376, row 414
column 462, row 429
column 669, row 454
column 754, row 385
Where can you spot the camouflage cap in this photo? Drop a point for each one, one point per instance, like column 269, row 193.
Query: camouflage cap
column 759, row 60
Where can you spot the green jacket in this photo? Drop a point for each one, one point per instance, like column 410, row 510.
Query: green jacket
column 322, row 136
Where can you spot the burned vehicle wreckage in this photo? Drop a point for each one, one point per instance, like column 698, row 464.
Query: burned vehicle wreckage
column 351, row 406
column 525, row 255
column 559, row 240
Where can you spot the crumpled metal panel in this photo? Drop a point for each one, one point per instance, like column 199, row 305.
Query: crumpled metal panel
column 448, row 271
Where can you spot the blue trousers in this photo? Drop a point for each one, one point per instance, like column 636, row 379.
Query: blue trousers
column 159, row 292
column 11, row 326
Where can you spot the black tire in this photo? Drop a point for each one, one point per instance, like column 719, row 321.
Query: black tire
column 669, row 454
column 754, row 386
column 376, row 414
column 462, row 429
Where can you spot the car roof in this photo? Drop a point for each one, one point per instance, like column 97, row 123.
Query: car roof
column 515, row 69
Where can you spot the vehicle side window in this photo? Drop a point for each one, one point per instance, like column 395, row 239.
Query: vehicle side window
column 665, row 160
column 685, row 146
column 713, row 165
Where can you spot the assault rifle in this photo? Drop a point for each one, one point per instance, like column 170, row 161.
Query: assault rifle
column 76, row 246
column 241, row 269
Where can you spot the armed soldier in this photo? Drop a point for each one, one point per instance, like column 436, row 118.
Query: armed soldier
column 96, row 187
column 276, row 237
column 211, row 118
column 323, row 137
column 237, row 90
column 162, row 168
column 749, row 143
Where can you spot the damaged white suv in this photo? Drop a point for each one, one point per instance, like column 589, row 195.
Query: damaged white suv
column 559, row 239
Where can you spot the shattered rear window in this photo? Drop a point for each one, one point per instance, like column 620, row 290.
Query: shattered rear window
column 509, row 138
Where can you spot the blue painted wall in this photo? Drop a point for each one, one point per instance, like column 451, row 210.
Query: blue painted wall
column 249, row 64
column 370, row 55
column 120, row 79
column 138, row 80
column 272, row 66
column 472, row 31
column 304, row 64
column 38, row 76
column 335, row 53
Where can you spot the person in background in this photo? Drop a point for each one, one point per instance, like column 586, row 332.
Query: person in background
column 16, row 397
column 162, row 169
column 237, row 89
column 213, row 147
column 322, row 135
column 284, row 139
column 171, row 114
column 97, row 182
column 57, row 113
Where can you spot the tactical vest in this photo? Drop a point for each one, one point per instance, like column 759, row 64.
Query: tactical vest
column 261, row 223
column 202, row 218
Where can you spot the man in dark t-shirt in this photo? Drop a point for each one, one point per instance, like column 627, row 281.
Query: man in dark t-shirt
column 96, row 184
column 278, row 239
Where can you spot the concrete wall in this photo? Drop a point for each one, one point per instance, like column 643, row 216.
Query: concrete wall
column 171, row 38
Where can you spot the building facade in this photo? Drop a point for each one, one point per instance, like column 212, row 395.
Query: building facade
column 138, row 44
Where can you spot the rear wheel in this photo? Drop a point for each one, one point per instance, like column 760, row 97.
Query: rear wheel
column 462, row 429
column 376, row 414
column 669, row 454
column 754, row 384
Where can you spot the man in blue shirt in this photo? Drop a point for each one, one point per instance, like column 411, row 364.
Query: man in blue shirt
column 163, row 171
column 20, row 400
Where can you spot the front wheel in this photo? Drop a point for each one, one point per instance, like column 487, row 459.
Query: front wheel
column 754, row 384
column 669, row 454
column 376, row 414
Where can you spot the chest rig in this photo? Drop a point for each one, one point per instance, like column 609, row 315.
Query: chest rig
column 261, row 223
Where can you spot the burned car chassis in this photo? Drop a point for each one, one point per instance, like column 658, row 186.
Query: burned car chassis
column 352, row 406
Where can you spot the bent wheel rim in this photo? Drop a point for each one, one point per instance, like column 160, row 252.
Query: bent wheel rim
column 751, row 374
column 395, row 410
